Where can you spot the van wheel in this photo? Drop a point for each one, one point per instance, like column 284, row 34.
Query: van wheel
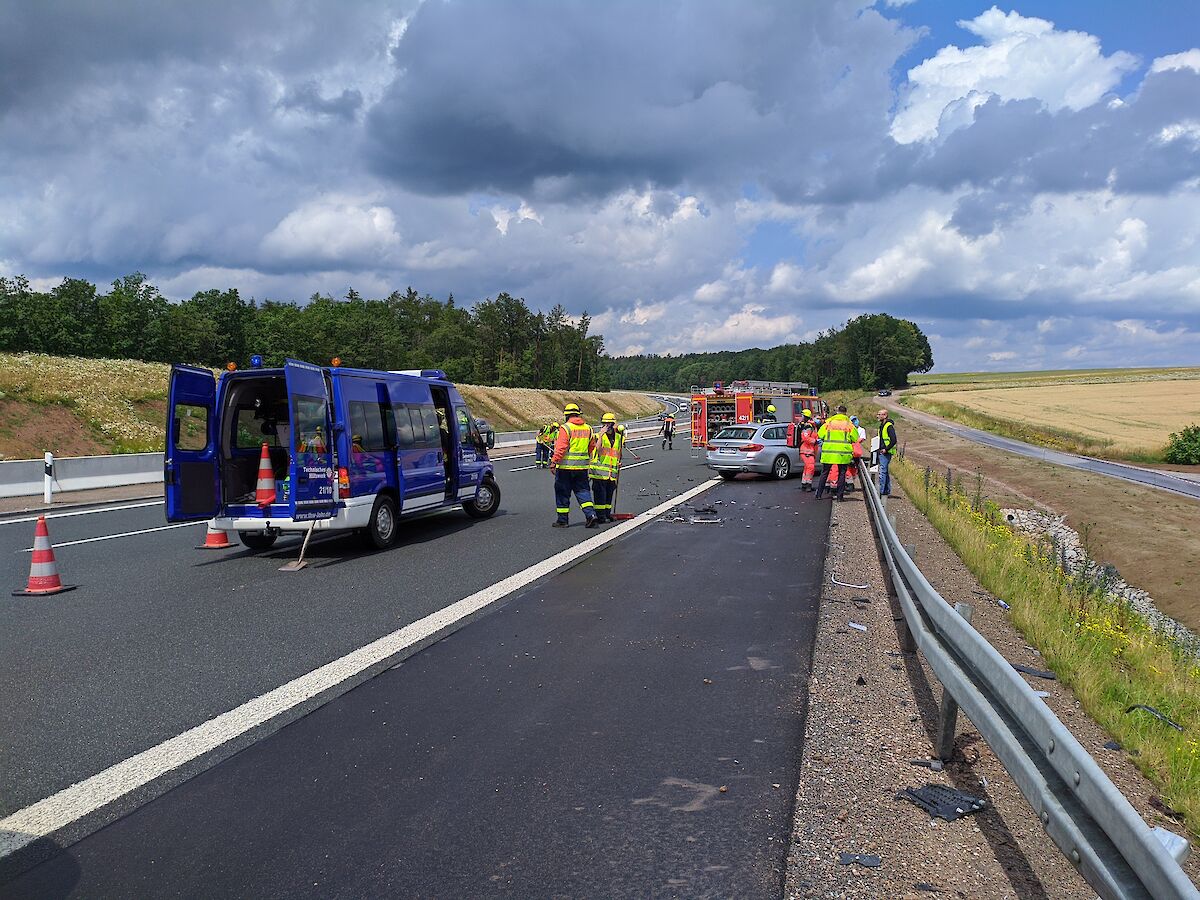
column 258, row 540
column 486, row 501
column 381, row 531
column 782, row 467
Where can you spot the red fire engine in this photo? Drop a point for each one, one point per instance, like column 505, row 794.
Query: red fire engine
column 740, row 402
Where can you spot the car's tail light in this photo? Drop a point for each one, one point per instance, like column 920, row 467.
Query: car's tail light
column 751, row 448
column 343, row 483
column 710, row 446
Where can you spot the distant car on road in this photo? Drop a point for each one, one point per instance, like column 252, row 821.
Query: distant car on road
column 758, row 448
column 886, row 392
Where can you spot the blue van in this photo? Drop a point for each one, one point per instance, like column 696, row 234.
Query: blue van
column 350, row 449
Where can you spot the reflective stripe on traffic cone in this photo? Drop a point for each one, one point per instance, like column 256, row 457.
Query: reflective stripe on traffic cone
column 216, row 539
column 43, row 574
column 264, row 491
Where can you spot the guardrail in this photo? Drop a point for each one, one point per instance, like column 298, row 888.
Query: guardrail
column 27, row 477
column 1085, row 815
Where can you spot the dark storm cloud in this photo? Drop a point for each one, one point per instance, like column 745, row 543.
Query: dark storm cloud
column 574, row 97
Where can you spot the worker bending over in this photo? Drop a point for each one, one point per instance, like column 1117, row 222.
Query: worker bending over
column 570, row 463
column 544, row 444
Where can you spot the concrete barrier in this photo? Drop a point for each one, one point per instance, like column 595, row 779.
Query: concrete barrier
column 26, row 477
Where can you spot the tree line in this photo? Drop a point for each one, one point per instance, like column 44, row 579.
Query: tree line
column 497, row 341
column 869, row 352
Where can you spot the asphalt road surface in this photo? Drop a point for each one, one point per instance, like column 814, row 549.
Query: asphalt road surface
column 161, row 637
column 1162, row 480
column 575, row 742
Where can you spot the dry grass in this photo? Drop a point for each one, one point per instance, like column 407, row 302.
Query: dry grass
column 1133, row 419
column 1108, row 654
column 119, row 406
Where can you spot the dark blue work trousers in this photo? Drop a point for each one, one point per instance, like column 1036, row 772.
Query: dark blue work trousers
column 568, row 482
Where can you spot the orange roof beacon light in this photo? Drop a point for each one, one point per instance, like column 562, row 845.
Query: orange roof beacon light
column 231, row 367
column 336, row 361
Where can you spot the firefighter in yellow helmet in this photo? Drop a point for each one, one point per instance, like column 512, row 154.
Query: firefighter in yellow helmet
column 570, row 464
column 770, row 416
column 544, row 444
column 606, row 463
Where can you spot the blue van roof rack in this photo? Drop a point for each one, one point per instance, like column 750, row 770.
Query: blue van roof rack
column 421, row 373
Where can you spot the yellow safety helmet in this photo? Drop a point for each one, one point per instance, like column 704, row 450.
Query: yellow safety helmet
column 571, row 409
column 808, row 414
column 771, row 408
column 608, row 417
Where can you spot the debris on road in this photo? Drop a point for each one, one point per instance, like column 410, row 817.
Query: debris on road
column 1154, row 712
column 857, row 626
column 943, row 802
column 1037, row 673
column 1113, row 745
column 857, row 587
column 935, row 764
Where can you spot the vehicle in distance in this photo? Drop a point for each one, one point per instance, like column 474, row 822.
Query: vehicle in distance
column 886, row 392
column 349, row 449
column 758, row 448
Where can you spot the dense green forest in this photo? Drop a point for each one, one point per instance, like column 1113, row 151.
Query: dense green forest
column 498, row 342
column 870, row 352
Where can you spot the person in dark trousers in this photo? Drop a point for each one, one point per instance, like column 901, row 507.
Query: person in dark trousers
column 668, row 432
column 570, row 463
column 838, row 435
column 887, row 446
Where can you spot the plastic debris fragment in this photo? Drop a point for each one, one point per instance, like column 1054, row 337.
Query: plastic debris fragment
column 857, row 626
column 943, row 802
column 870, row 860
column 1154, row 712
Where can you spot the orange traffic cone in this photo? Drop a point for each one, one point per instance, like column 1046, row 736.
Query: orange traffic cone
column 264, row 491
column 216, row 539
column 43, row 574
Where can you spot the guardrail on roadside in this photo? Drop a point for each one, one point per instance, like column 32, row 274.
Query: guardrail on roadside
column 1085, row 815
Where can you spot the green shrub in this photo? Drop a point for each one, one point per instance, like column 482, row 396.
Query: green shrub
column 1184, row 448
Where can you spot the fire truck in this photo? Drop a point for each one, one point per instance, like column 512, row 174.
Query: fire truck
column 739, row 402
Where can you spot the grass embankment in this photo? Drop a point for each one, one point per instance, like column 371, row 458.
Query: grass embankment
column 1100, row 647
column 76, row 407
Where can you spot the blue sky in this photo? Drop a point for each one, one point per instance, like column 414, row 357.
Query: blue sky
column 1021, row 180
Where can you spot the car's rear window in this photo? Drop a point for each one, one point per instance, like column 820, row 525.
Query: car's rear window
column 734, row 434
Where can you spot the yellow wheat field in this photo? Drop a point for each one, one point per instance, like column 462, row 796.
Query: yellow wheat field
column 1134, row 415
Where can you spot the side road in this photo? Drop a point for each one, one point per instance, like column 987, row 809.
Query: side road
column 862, row 736
column 626, row 728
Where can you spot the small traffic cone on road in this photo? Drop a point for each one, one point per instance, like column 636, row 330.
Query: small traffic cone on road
column 43, row 573
column 216, row 539
column 264, row 492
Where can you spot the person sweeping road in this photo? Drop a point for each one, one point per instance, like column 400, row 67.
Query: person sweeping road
column 606, row 463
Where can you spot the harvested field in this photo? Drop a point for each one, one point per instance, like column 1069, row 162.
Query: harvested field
column 76, row 407
column 1136, row 416
column 969, row 380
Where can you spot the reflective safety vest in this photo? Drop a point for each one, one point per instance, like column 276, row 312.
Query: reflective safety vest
column 607, row 458
column 579, row 439
column 547, row 435
column 837, row 440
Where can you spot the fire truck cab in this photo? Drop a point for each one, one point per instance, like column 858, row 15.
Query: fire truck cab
column 743, row 402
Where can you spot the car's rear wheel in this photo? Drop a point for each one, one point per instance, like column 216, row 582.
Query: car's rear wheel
column 486, row 501
column 381, row 531
column 782, row 467
column 258, row 540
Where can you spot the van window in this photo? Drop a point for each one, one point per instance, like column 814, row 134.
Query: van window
column 191, row 424
column 251, row 430
column 428, row 435
column 464, row 427
column 367, row 424
column 310, row 425
column 405, row 436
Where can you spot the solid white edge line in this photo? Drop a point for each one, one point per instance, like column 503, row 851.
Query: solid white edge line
column 109, row 537
column 82, row 512
column 644, row 462
column 45, row 817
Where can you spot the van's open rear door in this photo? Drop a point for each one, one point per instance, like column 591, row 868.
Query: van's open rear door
column 311, row 469
column 193, row 490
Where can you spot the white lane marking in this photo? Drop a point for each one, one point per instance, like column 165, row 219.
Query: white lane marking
column 524, row 468
column 644, row 462
column 82, row 512
column 84, row 797
column 109, row 537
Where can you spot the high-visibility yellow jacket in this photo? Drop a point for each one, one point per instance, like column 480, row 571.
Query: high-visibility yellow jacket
column 837, row 435
column 548, row 435
column 606, row 456
column 573, row 447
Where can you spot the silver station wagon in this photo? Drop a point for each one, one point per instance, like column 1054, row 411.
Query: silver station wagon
column 760, row 448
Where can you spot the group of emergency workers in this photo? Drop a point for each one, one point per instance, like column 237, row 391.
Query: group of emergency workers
column 836, row 443
column 584, row 463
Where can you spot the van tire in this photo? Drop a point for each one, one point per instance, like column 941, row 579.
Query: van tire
column 491, row 490
column 381, row 531
column 258, row 540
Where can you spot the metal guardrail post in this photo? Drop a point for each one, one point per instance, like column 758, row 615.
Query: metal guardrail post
column 48, row 479
column 948, row 723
